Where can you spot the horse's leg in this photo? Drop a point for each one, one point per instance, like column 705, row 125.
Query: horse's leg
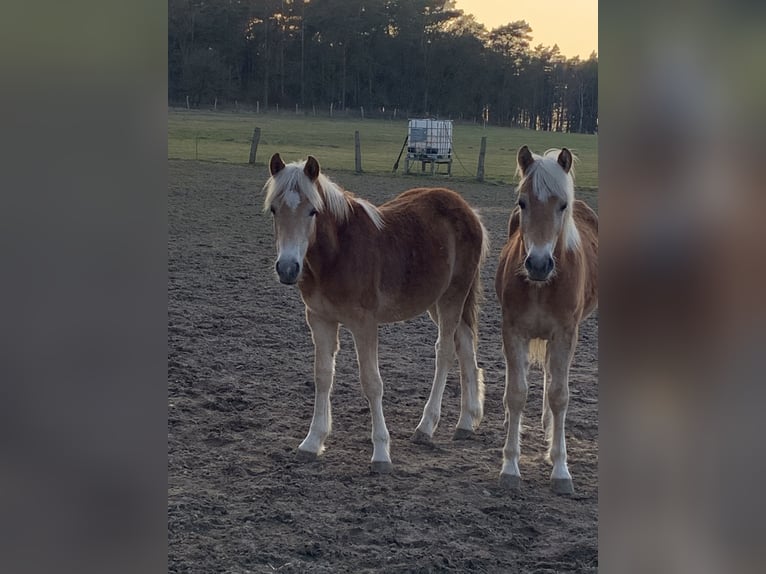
column 515, row 349
column 366, row 342
column 471, row 383
column 325, row 335
column 546, row 416
column 447, row 317
column 561, row 351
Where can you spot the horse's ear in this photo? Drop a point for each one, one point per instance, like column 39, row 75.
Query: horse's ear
column 524, row 159
column 312, row 168
column 565, row 159
column 276, row 164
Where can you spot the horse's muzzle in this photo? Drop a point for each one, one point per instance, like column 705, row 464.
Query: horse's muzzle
column 539, row 268
column 288, row 272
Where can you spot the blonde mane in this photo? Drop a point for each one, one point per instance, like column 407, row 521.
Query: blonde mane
column 336, row 201
column 547, row 179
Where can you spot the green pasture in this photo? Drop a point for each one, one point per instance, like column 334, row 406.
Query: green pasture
column 225, row 137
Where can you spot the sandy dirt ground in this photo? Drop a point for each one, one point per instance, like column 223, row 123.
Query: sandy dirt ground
column 240, row 400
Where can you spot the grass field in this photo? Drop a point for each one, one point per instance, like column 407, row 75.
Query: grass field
column 225, row 137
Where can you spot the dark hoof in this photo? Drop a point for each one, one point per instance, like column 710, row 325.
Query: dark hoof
column 510, row 482
column 462, row 434
column 306, row 456
column 421, row 438
column 381, row 467
column 562, row 486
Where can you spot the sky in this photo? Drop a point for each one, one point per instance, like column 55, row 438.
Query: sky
column 572, row 24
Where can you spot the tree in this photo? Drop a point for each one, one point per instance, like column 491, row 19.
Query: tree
column 421, row 56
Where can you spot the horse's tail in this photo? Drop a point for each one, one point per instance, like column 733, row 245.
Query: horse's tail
column 537, row 349
column 476, row 293
column 470, row 317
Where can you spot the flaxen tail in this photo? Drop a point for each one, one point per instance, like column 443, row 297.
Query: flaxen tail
column 476, row 293
column 537, row 350
column 470, row 315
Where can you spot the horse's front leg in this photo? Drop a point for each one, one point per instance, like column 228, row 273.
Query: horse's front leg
column 561, row 350
column 325, row 336
column 515, row 349
column 366, row 342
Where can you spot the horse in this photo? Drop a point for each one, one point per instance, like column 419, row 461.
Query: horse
column 546, row 284
column 360, row 265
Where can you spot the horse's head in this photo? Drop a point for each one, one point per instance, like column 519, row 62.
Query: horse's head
column 294, row 201
column 545, row 200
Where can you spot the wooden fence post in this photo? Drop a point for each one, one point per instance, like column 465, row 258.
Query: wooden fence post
column 254, row 144
column 482, row 151
column 357, row 152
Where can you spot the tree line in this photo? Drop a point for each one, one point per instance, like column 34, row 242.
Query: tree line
column 406, row 57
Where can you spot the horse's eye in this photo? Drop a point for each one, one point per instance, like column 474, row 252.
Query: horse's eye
column 522, row 204
column 563, row 207
column 313, row 212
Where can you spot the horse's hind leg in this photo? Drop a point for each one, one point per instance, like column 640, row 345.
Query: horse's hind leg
column 366, row 342
column 546, row 418
column 447, row 317
column 561, row 352
column 325, row 335
column 471, row 382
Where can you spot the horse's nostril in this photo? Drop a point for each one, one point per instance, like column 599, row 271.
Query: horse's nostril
column 549, row 265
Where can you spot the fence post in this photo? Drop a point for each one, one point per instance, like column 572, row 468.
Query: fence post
column 187, row 102
column 357, row 152
column 254, row 144
column 480, row 169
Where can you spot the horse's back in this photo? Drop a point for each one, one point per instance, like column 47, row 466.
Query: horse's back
column 435, row 211
column 587, row 224
column 428, row 200
column 431, row 244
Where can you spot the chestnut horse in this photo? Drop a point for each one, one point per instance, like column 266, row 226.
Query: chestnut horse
column 547, row 284
column 360, row 265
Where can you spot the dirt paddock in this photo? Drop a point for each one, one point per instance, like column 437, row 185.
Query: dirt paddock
column 240, row 394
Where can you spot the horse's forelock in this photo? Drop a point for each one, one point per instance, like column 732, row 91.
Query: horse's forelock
column 547, row 179
column 291, row 178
